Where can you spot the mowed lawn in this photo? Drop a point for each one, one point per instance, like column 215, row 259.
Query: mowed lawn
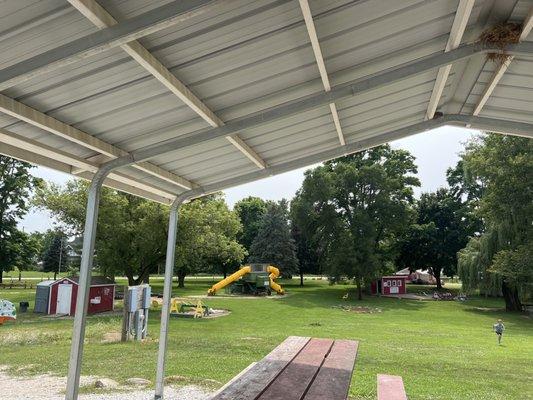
column 443, row 350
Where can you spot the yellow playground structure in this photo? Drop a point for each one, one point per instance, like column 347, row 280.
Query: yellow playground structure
column 253, row 279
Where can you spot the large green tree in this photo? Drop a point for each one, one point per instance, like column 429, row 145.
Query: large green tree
column 250, row 211
column 355, row 206
column 273, row 242
column 207, row 232
column 443, row 226
column 497, row 262
column 132, row 232
column 16, row 186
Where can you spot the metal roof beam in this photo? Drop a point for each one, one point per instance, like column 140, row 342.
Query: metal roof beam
column 489, row 124
column 36, row 118
column 52, row 153
column 103, row 19
column 316, row 100
column 315, row 44
column 500, row 70
column 460, row 21
column 131, row 29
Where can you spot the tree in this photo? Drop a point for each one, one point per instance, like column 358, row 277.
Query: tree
column 443, row 226
column 207, row 233
column 307, row 252
column 250, row 211
column 132, row 232
column 496, row 262
column 16, row 186
column 55, row 257
column 273, row 243
column 356, row 206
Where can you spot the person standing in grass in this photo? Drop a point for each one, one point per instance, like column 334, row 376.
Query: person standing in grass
column 499, row 327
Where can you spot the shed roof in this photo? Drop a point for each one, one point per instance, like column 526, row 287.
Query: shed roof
column 95, row 280
column 203, row 95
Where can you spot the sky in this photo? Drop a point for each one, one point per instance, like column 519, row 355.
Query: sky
column 435, row 151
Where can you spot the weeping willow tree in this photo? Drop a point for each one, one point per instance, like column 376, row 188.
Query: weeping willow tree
column 499, row 262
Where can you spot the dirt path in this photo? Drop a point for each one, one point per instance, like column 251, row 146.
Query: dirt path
column 48, row 387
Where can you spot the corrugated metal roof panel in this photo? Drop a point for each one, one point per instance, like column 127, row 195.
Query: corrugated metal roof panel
column 241, row 58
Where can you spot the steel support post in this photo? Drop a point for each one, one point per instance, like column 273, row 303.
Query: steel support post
column 78, row 332
column 167, row 295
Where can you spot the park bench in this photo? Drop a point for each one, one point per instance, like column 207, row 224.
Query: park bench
column 390, row 387
column 300, row 368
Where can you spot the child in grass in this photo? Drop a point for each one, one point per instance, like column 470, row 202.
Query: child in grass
column 499, row 327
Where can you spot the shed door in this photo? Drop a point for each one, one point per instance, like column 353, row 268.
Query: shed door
column 64, row 297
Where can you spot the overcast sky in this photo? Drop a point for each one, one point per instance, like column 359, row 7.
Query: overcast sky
column 435, row 151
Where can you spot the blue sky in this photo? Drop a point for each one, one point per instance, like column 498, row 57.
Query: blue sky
column 434, row 150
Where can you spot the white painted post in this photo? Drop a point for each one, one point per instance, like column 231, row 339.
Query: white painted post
column 78, row 333
column 167, row 295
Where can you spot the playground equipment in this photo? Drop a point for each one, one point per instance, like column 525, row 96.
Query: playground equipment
column 253, row 279
column 8, row 311
column 187, row 310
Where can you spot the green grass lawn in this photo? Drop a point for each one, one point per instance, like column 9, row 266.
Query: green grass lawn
column 443, row 350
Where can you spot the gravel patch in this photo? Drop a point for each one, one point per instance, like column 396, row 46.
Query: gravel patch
column 48, row 387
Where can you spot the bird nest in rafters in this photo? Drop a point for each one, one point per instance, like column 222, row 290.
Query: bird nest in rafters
column 501, row 36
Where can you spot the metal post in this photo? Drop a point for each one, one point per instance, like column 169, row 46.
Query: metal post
column 78, row 333
column 167, row 295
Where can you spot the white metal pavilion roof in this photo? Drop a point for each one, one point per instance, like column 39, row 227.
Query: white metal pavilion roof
column 174, row 99
column 70, row 105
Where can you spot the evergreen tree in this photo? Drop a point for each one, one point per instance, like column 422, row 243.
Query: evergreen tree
column 273, row 243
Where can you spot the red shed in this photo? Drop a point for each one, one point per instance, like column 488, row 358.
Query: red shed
column 64, row 292
column 390, row 285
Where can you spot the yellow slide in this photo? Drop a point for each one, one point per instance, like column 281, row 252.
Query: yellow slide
column 274, row 273
column 232, row 278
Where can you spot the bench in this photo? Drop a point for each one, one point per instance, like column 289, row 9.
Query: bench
column 300, row 368
column 390, row 387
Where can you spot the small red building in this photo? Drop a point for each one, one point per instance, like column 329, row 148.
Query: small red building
column 62, row 296
column 389, row 285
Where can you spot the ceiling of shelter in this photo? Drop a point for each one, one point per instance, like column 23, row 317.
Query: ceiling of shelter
column 220, row 61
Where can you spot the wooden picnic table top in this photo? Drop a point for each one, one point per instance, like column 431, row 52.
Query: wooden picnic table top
column 299, row 368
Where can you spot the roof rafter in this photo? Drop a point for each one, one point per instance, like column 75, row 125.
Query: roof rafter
column 134, row 28
column 103, row 19
column 454, row 40
column 500, row 70
column 313, row 37
column 33, row 146
column 36, row 118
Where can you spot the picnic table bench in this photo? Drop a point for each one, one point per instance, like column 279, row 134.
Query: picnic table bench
column 300, row 368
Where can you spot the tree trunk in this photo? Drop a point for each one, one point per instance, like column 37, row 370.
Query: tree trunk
column 131, row 280
column 181, row 278
column 1, row 273
column 359, row 289
column 436, row 274
column 55, row 275
column 20, row 275
column 512, row 300
column 301, row 277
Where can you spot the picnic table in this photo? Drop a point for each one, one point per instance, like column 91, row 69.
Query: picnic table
column 302, row 368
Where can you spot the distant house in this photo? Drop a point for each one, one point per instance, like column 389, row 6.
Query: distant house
column 418, row 276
